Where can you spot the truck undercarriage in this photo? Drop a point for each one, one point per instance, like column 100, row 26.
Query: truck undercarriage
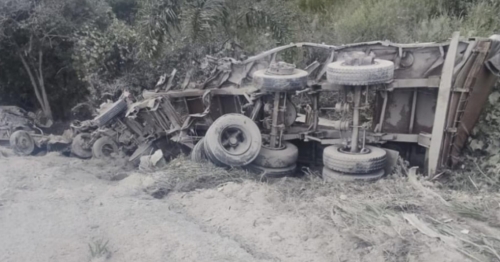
column 421, row 100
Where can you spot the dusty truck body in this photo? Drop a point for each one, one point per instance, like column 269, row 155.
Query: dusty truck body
column 25, row 133
column 421, row 99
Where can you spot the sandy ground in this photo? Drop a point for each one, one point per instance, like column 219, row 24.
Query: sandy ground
column 52, row 208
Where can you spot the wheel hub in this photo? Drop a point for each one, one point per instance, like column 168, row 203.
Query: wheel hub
column 267, row 145
column 359, row 59
column 234, row 141
column 24, row 142
column 347, row 150
column 107, row 150
column 281, row 68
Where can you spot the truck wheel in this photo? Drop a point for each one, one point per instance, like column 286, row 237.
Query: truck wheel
column 198, row 153
column 382, row 71
column 22, row 143
column 233, row 140
column 332, row 176
column 337, row 159
column 280, row 83
column 111, row 112
column 274, row 172
column 80, row 146
column 277, row 158
column 104, row 147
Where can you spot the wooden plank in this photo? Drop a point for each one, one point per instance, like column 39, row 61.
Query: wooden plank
column 374, row 138
column 442, row 105
column 325, row 66
column 200, row 92
column 403, row 138
column 431, row 82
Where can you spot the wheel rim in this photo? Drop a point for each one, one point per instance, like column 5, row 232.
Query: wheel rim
column 24, row 143
column 345, row 64
column 83, row 142
column 235, row 141
column 268, row 146
column 363, row 151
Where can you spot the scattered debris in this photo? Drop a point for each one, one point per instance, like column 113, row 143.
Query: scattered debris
column 153, row 162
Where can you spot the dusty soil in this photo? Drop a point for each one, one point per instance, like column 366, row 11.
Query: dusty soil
column 53, row 208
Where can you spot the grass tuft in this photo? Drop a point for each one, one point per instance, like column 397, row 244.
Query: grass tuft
column 99, row 249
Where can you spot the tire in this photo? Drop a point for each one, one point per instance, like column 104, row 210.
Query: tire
column 233, row 140
column 198, row 153
column 111, row 112
column 354, row 163
column 78, row 147
column 382, row 71
column 274, row 172
column 332, row 176
column 104, row 147
column 277, row 158
column 22, row 143
column 280, row 83
column 291, row 113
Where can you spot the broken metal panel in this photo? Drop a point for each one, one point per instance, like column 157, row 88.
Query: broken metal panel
column 229, row 105
column 195, row 105
column 215, row 108
column 425, row 110
column 398, row 112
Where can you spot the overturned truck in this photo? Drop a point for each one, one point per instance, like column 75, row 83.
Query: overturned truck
column 421, row 100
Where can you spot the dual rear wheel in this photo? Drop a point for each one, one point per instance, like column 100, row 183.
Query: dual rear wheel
column 104, row 147
column 235, row 140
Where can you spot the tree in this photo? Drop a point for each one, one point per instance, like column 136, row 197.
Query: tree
column 39, row 34
column 29, row 29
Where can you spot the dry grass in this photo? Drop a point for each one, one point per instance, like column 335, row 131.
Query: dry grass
column 374, row 214
column 183, row 175
column 98, row 250
column 369, row 214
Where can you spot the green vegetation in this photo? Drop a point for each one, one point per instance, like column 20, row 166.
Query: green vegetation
column 99, row 249
column 57, row 53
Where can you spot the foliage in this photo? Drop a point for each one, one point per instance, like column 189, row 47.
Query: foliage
column 36, row 37
column 97, row 46
column 107, row 52
column 157, row 19
column 481, row 162
column 204, row 17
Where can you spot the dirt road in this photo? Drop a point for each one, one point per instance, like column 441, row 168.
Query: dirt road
column 52, row 208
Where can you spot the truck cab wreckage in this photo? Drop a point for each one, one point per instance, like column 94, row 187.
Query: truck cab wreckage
column 421, row 100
